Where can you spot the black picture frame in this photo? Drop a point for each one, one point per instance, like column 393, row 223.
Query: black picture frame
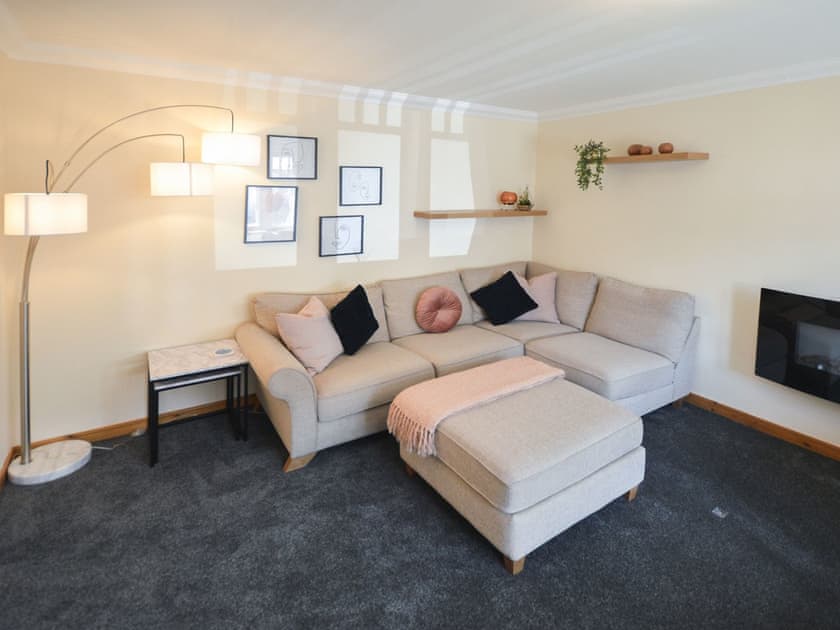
column 359, row 185
column 270, row 214
column 301, row 153
column 331, row 242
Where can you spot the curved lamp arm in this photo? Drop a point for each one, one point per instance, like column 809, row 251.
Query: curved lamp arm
column 33, row 240
column 119, row 144
column 119, row 120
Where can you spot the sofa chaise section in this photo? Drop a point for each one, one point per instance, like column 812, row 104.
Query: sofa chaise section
column 637, row 346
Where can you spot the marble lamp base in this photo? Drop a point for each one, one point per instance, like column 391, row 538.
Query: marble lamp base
column 49, row 462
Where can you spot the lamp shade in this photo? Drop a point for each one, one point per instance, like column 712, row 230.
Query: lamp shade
column 37, row 214
column 179, row 179
column 237, row 149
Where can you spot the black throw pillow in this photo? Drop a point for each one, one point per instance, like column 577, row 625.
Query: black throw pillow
column 353, row 320
column 503, row 300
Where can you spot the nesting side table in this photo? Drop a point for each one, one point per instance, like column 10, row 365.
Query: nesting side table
column 181, row 366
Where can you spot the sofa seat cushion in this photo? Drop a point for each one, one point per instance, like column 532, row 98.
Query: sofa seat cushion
column 524, row 331
column 461, row 348
column 609, row 368
column 367, row 379
column 526, row 447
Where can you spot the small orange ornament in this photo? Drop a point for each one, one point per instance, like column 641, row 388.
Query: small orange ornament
column 508, row 198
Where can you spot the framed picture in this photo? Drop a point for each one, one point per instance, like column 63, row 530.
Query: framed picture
column 292, row 157
column 270, row 214
column 341, row 236
column 360, row 186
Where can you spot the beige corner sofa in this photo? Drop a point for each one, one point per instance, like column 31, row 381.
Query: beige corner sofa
column 633, row 345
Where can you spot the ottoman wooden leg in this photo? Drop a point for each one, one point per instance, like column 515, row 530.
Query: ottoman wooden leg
column 632, row 494
column 410, row 471
column 296, row 463
column 514, row 567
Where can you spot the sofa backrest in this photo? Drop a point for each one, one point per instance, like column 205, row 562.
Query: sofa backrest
column 267, row 305
column 401, row 297
column 657, row 320
column 476, row 278
column 574, row 294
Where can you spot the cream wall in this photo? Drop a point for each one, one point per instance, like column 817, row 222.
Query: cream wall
column 763, row 211
column 155, row 272
column 8, row 253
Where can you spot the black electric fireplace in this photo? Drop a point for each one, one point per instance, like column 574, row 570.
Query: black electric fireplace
column 799, row 342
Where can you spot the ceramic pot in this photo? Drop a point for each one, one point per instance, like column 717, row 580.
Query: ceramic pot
column 508, row 198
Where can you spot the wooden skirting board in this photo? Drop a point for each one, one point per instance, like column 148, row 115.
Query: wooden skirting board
column 765, row 426
column 120, row 429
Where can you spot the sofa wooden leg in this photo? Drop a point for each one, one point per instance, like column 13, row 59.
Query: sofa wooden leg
column 632, row 493
column 296, row 463
column 514, row 567
column 410, row 471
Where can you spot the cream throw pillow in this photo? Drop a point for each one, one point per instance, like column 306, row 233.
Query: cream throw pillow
column 310, row 335
column 541, row 289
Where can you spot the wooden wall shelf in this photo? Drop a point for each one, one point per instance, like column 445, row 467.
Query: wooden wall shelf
column 660, row 157
column 477, row 214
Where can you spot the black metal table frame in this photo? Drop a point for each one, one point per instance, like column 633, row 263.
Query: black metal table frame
column 236, row 383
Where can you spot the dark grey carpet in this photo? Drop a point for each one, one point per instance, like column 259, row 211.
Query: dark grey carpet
column 216, row 536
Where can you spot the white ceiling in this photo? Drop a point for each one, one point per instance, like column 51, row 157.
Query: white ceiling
column 556, row 58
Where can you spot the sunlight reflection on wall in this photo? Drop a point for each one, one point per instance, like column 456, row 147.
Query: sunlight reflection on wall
column 451, row 188
column 229, row 209
column 382, row 223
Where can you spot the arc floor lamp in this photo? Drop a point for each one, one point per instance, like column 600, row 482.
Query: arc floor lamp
column 49, row 213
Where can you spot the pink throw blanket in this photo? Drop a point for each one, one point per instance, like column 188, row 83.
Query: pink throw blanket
column 417, row 410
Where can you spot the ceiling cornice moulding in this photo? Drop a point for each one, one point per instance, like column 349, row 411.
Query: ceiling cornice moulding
column 755, row 80
column 23, row 50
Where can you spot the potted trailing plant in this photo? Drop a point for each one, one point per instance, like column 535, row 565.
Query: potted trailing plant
column 524, row 202
column 590, row 164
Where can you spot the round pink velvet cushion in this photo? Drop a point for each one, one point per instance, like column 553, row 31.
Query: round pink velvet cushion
column 438, row 309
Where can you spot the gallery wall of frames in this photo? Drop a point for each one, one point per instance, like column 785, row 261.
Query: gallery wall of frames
column 271, row 210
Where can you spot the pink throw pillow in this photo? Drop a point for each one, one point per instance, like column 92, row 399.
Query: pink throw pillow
column 310, row 335
column 438, row 309
column 542, row 290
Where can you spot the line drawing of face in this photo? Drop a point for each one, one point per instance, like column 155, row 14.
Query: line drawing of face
column 341, row 237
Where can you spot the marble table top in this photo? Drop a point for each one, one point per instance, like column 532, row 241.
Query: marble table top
column 199, row 357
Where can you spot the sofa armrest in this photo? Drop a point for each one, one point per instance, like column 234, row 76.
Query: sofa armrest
column 294, row 410
column 684, row 373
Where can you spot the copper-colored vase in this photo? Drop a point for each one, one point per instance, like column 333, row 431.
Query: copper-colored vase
column 508, row 198
column 646, row 150
column 666, row 147
column 634, row 149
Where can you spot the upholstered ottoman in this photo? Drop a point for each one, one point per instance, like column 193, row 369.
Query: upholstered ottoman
column 526, row 467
